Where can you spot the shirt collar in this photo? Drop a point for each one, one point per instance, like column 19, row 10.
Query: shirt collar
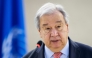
column 48, row 52
column 65, row 50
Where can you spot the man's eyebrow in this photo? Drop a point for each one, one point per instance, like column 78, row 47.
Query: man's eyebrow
column 45, row 24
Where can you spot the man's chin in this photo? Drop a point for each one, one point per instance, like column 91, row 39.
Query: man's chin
column 56, row 47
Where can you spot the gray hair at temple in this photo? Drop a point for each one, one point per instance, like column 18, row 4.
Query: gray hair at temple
column 49, row 8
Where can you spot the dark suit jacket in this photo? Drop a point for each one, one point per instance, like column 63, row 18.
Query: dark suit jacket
column 76, row 50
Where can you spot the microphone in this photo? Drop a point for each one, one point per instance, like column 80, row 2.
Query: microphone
column 39, row 43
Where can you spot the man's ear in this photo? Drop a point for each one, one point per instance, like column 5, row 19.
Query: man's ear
column 40, row 33
column 38, row 30
column 67, row 28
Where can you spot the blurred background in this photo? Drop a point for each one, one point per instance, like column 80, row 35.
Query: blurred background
column 80, row 20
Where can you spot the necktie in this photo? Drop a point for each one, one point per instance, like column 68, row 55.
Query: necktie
column 57, row 55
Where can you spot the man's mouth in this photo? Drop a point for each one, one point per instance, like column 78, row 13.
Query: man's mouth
column 54, row 40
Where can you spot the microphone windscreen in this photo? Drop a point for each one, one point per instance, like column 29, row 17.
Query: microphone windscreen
column 39, row 43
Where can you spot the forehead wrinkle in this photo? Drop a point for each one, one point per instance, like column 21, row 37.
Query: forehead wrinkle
column 59, row 21
column 56, row 22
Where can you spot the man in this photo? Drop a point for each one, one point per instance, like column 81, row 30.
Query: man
column 52, row 24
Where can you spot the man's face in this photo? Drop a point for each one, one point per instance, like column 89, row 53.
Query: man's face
column 54, row 30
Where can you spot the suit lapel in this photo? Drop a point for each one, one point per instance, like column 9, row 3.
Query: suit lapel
column 74, row 51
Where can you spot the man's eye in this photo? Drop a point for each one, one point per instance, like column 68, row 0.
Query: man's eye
column 58, row 26
column 47, row 28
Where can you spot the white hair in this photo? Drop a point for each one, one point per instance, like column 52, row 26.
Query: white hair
column 49, row 8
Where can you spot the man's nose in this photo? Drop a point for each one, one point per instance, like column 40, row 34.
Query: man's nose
column 54, row 32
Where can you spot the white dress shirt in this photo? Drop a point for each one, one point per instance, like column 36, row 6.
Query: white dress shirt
column 65, row 52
